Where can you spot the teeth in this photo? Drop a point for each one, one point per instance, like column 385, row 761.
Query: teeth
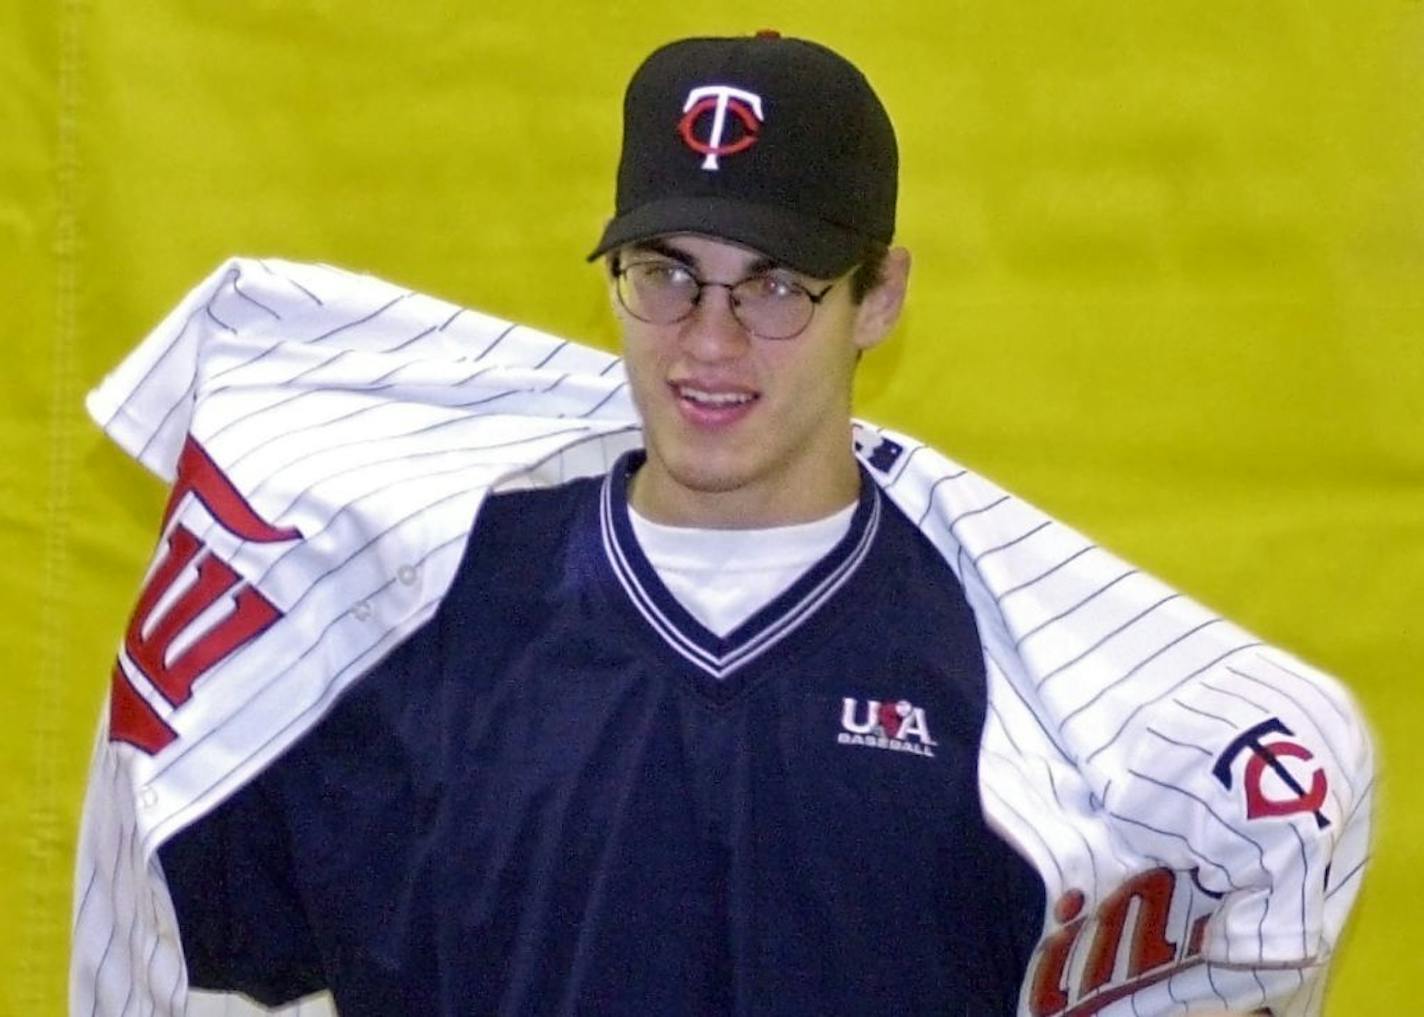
column 697, row 395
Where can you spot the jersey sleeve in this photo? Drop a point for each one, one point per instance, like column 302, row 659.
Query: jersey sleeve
column 240, row 914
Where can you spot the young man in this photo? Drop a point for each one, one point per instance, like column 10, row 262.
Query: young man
column 777, row 185
column 742, row 724
column 589, row 784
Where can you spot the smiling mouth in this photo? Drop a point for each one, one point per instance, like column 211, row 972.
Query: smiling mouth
column 713, row 400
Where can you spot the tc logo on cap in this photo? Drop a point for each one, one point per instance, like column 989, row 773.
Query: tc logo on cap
column 745, row 106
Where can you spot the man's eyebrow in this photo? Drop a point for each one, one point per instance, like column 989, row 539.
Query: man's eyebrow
column 657, row 246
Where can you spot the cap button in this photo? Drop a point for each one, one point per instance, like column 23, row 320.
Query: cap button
column 768, row 33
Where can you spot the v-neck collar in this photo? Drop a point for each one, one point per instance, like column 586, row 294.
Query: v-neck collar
column 721, row 656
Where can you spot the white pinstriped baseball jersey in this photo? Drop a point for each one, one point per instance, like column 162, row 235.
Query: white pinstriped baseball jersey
column 1197, row 803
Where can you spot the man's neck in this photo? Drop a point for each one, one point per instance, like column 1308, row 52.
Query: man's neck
column 660, row 498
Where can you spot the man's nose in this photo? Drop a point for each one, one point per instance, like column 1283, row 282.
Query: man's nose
column 712, row 331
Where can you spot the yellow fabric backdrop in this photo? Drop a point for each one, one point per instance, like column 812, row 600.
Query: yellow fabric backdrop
column 1169, row 284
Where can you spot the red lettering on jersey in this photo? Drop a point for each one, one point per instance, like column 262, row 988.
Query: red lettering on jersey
column 1048, row 994
column 1109, row 996
column 199, row 474
column 1197, row 937
column 1093, row 945
column 174, row 676
column 132, row 720
column 1149, row 946
column 149, row 641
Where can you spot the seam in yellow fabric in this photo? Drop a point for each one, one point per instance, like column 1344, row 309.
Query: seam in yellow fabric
column 48, row 891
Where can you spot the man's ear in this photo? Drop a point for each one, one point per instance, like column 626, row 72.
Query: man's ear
column 880, row 309
column 610, row 265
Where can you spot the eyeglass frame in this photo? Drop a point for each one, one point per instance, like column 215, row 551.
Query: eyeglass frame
column 619, row 270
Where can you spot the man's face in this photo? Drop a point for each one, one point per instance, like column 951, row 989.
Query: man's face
column 741, row 430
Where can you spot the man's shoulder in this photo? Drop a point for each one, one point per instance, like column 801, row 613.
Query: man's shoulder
column 904, row 549
column 528, row 512
column 520, row 535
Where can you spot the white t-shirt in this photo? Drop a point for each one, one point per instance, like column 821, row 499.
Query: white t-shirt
column 723, row 577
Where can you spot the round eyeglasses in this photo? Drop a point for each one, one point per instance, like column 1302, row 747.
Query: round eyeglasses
column 769, row 305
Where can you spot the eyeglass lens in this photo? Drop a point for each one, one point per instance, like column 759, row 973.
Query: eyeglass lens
column 661, row 293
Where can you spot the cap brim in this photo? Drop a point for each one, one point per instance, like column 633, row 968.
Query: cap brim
column 807, row 244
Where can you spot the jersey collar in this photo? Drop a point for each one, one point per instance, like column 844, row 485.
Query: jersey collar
column 788, row 611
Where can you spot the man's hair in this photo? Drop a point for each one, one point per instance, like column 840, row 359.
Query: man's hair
column 870, row 273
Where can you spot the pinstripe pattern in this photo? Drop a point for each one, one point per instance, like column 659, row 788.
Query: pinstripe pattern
column 374, row 420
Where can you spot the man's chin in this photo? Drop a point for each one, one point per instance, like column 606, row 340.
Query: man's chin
column 704, row 478
column 693, row 472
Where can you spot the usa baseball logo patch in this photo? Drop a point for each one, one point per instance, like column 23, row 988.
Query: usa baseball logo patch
column 1271, row 786
column 897, row 727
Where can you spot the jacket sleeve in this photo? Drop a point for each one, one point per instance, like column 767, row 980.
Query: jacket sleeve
column 240, row 914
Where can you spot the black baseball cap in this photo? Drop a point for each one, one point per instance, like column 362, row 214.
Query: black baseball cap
column 774, row 143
